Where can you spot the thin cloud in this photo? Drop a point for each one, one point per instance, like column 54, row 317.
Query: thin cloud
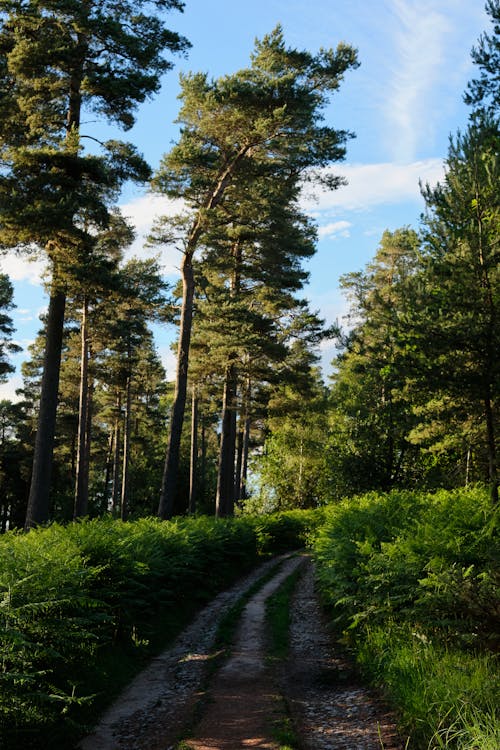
column 371, row 185
column 142, row 213
column 334, row 229
column 420, row 34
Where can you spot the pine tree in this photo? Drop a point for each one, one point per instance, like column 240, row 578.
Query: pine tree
column 60, row 61
column 7, row 346
column 269, row 114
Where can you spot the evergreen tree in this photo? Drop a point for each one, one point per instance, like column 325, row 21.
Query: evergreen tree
column 60, row 61
column 483, row 93
column 7, row 346
column 459, row 322
column 269, row 114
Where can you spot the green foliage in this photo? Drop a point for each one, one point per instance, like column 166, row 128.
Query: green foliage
column 446, row 698
column 81, row 606
column 278, row 617
column 70, row 594
column 413, row 581
column 288, row 530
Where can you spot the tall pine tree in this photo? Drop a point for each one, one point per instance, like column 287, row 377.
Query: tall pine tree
column 60, row 60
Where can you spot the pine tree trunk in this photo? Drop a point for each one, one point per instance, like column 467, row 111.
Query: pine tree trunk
column 242, row 489
column 203, row 461
column 194, row 453
column 244, row 468
column 81, row 484
column 492, row 455
column 108, row 474
column 224, row 505
column 126, row 452
column 171, row 468
column 239, row 461
column 116, row 458
column 38, row 502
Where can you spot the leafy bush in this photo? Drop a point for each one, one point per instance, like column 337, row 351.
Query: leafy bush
column 431, row 557
column 69, row 593
column 413, row 581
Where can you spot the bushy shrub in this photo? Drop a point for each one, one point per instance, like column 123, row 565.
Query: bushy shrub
column 68, row 593
column 432, row 557
column 412, row 580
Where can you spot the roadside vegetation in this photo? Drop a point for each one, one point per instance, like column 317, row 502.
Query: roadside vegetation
column 412, row 584
column 83, row 607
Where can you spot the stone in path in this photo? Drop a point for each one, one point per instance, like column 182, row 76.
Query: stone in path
column 243, row 694
column 331, row 710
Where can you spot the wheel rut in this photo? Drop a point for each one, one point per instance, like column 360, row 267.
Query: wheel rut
column 315, row 690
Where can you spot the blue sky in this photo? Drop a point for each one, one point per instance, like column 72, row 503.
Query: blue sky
column 403, row 103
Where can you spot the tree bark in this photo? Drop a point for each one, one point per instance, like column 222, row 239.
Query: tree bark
column 171, row 468
column 116, row 458
column 124, row 502
column 224, row 505
column 492, row 454
column 194, row 453
column 243, row 471
column 38, row 502
column 81, row 484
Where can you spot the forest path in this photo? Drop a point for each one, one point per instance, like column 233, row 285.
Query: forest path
column 316, row 686
column 243, row 699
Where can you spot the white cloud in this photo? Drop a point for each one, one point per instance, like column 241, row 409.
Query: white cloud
column 20, row 268
column 371, row 185
column 336, row 228
column 8, row 389
column 420, row 34
column 142, row 213
column 169, row 361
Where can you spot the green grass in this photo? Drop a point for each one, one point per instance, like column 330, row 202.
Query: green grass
column 278, row 645
column 412, row 583
column 278, row 617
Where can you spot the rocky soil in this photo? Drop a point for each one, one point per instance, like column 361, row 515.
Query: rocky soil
column 246, row 699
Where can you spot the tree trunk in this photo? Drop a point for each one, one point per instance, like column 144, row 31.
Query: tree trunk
column 242, row 489
column 194, row 453
column 108, row 475
column 492, row 455
column 126, row 452
column 38, row 502
column 224, row 505
column 171, row 469
column 116, row 458
column 203, row 461
column 81, row 484
column 244, row 468
column 240, row 437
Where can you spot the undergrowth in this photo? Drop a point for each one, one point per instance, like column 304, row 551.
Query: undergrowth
column 83, row 607
column 411, row 581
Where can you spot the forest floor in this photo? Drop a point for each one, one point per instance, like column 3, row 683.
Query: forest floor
column 312, row 701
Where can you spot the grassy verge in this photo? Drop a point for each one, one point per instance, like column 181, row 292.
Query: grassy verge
column 412, row 583
column 278, row 645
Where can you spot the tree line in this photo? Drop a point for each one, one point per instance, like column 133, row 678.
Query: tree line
column 416, row 379
column 413, row 401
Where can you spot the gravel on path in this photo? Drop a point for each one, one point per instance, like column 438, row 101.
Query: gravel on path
column 243, row 699
column 329, row 707
column 155, row 708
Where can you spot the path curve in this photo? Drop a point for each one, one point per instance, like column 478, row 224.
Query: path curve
column 154, row 709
